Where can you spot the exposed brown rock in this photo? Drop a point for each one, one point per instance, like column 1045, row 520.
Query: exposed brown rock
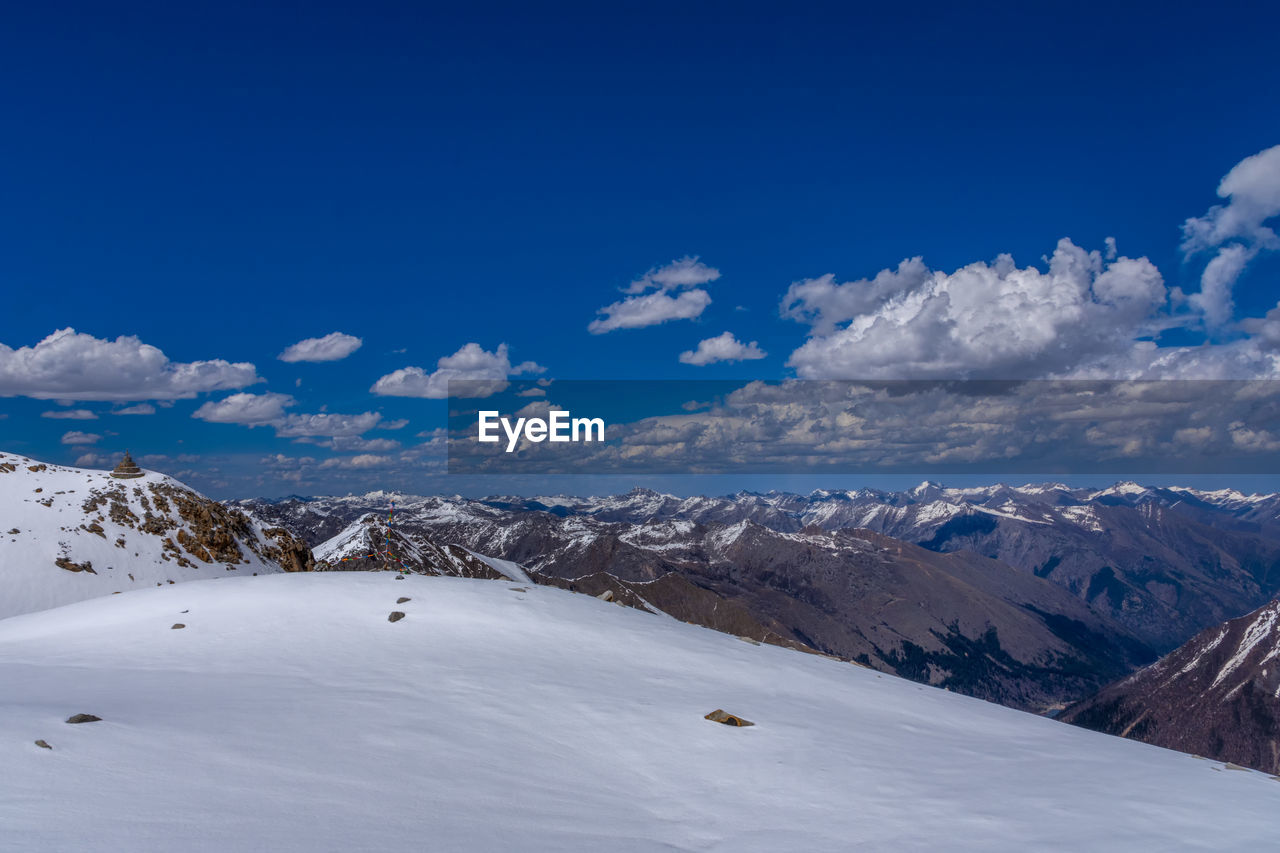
column 65, row 563
column 395, row 616
column 289, row 551
column 720, row 716
column 83, row 718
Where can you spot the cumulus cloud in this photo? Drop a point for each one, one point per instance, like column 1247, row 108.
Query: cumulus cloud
column 824, row 303
column 723, row 347
column 246, row 409
column 671, row 292
column 994, row 320
column 1252, row 190
column 75, row 437
column 268, row 409
column 68, row 365
column 486, row 373
column 1236, row 231
column 332, row 347
column 70, row 415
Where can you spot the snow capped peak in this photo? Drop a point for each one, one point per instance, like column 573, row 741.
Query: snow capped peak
column 1127, row 488
column 926, row 487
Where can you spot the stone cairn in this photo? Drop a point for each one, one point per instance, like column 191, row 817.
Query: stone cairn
column 127, row 469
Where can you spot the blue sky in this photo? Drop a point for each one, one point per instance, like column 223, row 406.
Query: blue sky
column 223, row 182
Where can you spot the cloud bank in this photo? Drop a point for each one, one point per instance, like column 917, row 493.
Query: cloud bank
column 68, row 365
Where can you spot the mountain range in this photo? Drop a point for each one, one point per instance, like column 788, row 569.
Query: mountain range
column 1034, row 596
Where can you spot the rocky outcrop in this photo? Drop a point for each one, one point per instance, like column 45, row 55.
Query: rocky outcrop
column 289, row 551
column 112, row 535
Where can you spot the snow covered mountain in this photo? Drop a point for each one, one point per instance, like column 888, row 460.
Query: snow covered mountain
column 955, row 620
column 1161, row 563
column 1218, row 695
column 290, row 714
column 67, row 534
column 370, row 544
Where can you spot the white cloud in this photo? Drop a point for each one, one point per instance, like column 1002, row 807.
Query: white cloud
column 70, row 415
column 686, row 272
column 637, row 312
column 1252, row 188
column 331, row 425
column 246, row 409
column 993, row 320
column 279, row 460
column 68, row 365
column 140, row 409
column 371, row 445
column 1236, row 230
column 664, row 293
column 360, row 461
column 823, row 303
column 1217, row 282
column 79, row 438
column 485, row 372
column 94, row 460
column 332, row 347
column 399, row 423
column 268, row 409
column 723, row 347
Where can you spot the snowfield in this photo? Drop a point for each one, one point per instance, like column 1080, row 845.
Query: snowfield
column 291, row 715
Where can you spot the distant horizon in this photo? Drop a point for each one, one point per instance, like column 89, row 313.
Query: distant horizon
column 731, row 485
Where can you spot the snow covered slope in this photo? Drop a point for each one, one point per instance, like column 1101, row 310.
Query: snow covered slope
column 289, row 714
column 67, row 534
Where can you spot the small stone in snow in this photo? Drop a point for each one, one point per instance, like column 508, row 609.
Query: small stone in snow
column 177, row 625
column 402, row 600
column 395, row 616
column 83, row 718
column 43, row 745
